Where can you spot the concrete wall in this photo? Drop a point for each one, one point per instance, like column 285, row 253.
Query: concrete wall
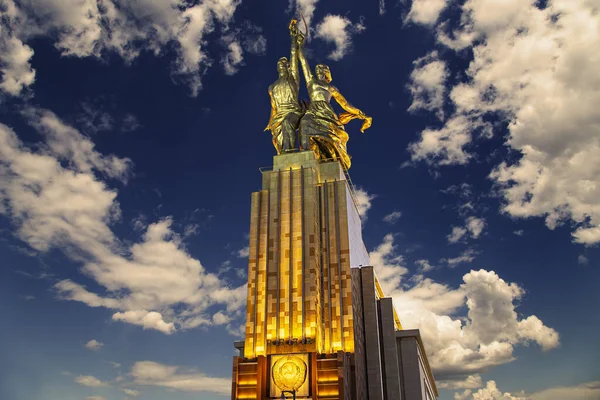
column 412, row 364
column 360, row 361
column 372, row 345
column 389, row 353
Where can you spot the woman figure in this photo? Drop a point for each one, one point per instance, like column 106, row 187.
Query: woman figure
column 321, row 130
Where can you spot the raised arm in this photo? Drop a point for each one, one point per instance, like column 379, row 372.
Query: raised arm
column 294, row 52
column 305, row 67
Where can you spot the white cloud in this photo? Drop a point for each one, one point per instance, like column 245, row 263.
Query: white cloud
column 392, row 217
column 130, row 123
column 15, row 67
column 94, row 345
column 582, row 260
column 96, row 28
column 424, row 266
column 338, row 30
column 131, row 392
column 585, row 391
column 238, row 331
column 254, row 42
column 16, row 70
column 473, row 227
column 220, row 318
column 519, row 232
column 88, row 380
column 243, row 252
column 363, row 201
column 307, row 7
column 470, row 382
column 66, row 143
column 388, row 264
column 489, row 392
column 457, row 234
column 55, row 199
column 234, row 57
column 172, row 377
column 533, row 68
column 460, row 347
column 147, row 319
column 428, row 84
column 426, row 12
column 95, row 398
column 381, row 7
column 190, row 230
column 466, row 256
column 446, row 145
column 94, row 117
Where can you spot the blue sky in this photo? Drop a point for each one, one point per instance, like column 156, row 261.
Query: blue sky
column 131, row 137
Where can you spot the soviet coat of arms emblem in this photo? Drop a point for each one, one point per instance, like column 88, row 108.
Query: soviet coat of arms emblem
column 289, row 373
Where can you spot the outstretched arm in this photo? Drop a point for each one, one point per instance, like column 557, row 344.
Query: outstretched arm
column 305, row 67
column 352, row 112
column 344, row 103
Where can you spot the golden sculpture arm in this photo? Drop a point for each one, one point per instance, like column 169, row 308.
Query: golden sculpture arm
column 344, row 103
column 308, row 76
column 294, row 52
column 352, row 112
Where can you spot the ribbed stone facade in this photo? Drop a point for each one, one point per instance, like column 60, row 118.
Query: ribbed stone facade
column 313, row 300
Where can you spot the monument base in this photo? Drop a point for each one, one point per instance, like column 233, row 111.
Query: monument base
column 318, row 325
column 329, row 378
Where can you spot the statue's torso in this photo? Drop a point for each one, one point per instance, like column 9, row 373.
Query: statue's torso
column 319, row 91
column 285, row 93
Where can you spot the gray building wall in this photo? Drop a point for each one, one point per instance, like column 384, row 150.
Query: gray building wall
column 388, row 364
column 360, row 361
column 372, row 347
column 416, row 383
column 389, row 353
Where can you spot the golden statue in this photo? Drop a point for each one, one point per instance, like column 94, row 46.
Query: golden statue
column 321, row 129
column 286, row 111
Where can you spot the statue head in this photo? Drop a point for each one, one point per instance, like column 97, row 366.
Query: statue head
column 323, row 73
column 283, row 66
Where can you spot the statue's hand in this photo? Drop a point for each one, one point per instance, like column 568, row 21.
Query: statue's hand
column 293, row 27
column 366, row 124
column 300, row 39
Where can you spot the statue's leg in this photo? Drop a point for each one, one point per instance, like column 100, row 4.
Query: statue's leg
column 304, row 136
column 288, row 131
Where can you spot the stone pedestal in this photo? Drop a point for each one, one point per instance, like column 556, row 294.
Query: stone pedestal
column 313, row 317
column 299, row 291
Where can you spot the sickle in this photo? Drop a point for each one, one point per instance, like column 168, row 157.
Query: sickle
column 305, row 24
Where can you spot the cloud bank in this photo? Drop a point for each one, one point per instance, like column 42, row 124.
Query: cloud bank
column 533, row 68
column 58, row 198
column 460, row 346
column 97, row 28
